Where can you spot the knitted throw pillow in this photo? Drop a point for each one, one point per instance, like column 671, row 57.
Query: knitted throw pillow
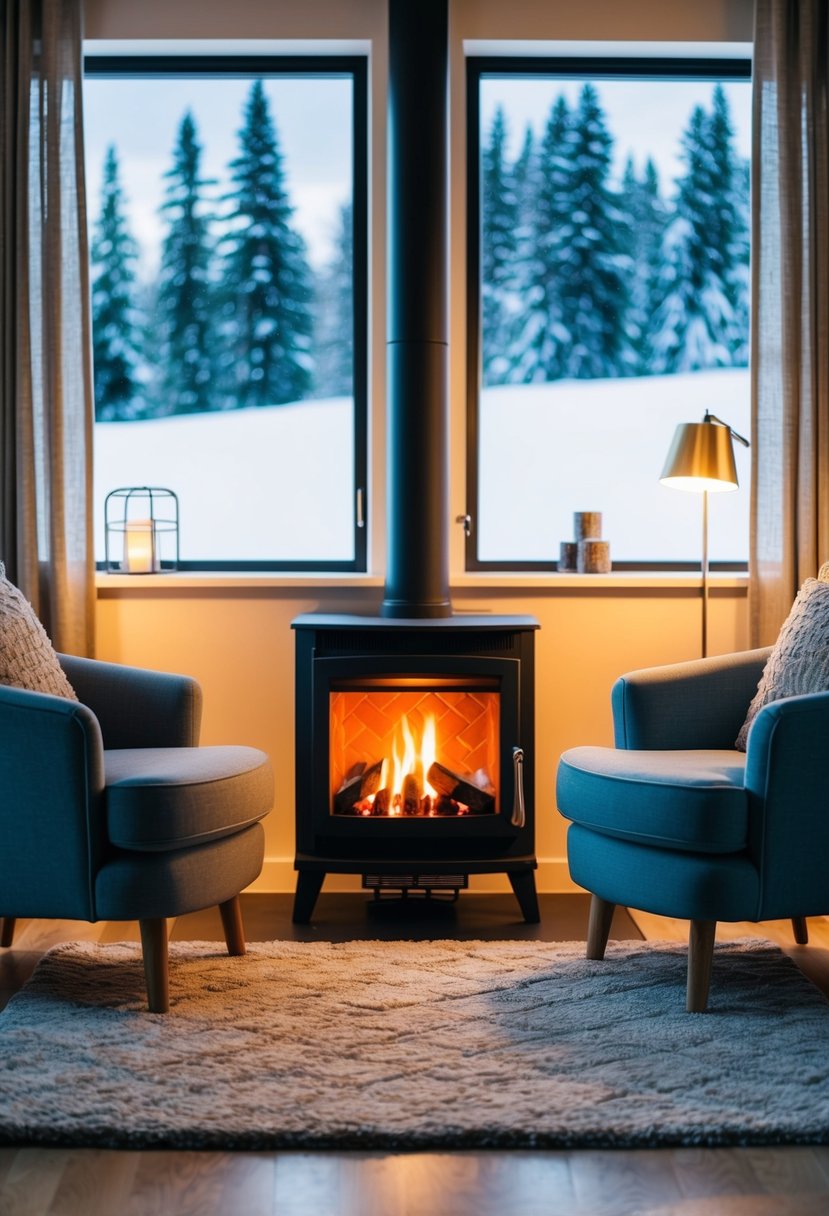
column 799, row 661
column 27, row 658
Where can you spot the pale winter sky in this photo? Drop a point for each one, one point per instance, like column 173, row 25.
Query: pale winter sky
column 646, row 118
column 141, row 117
column 313, row 120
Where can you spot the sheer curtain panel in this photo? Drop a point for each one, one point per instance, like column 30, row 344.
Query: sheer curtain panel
column 790, row 307
column 46, row 412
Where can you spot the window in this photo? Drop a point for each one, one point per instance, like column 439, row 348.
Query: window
column 608, row 301
column 227, row 202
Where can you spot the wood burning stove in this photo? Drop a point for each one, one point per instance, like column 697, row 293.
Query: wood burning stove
column 415, row 815
column 414, row 763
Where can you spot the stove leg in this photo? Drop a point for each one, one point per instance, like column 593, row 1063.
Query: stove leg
column 523, row 884
column 308, row 886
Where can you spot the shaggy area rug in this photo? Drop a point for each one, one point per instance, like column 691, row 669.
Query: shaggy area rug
column 414, row 1045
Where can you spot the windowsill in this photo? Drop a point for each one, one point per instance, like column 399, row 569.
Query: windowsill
column 508, row 580
column 234, row 578
column 617, row 579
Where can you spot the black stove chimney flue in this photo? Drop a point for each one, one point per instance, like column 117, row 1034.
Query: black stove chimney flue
column 417, row 571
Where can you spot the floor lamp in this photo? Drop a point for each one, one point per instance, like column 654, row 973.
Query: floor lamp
column 701, row 458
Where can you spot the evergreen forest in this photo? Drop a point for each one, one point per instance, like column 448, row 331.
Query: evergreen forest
column 236, row 316
column 583, row 277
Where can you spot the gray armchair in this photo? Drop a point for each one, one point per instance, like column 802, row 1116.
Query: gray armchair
column 675, row 821
column 111, row 811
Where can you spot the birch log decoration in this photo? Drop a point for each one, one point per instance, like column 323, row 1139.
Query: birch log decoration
column 594, row 556
column 587, row 525
column 567, row 555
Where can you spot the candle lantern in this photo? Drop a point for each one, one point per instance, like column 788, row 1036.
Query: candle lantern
column 141, row 530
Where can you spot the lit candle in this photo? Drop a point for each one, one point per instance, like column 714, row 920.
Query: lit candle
column 139, row 547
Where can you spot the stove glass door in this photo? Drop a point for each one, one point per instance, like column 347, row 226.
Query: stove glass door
column 415, row 746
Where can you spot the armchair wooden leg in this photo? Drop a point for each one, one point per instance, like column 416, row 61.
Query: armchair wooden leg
column 801, row 930
column 598, row 928
column 7, row 924
column 154, row 945
column 234, row 930
column 700, row 956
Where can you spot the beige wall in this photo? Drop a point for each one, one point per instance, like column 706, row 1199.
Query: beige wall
column 239, row 644
column 235, row 635
column 646, row 20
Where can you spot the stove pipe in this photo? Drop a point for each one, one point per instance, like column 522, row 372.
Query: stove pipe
column 417, row 570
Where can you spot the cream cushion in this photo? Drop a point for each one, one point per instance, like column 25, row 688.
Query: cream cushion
column 799, row 661
column 27, row 657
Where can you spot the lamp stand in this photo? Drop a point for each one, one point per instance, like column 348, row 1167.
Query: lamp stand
column 704, row 573
column 702, row 455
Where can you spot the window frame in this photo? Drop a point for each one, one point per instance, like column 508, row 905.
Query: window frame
column 564, row 68
column 126, row 67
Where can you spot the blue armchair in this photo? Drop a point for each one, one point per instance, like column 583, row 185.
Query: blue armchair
column 675, row 821
column 110, row 810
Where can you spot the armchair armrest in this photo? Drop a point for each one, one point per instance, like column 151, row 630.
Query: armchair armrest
column 788, row 822
column 137, row 707
column 52, row 814
column 698, row 704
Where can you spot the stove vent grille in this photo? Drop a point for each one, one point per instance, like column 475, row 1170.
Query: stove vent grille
column 415, row 882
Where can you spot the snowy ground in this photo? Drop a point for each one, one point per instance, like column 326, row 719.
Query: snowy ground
column 551, row 449
column 252, row 484
column 277, row 483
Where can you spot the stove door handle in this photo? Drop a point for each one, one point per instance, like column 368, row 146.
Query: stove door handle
column 518, row 814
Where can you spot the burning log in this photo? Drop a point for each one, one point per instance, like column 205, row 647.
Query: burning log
column 445, row 806
column 382, row 801
column 459, row 787
column 355, row 789
column 411, row 795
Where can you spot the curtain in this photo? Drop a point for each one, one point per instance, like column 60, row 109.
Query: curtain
column 46, row 409
column 790, row 307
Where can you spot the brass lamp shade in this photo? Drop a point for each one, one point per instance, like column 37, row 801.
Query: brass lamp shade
column 701, row 457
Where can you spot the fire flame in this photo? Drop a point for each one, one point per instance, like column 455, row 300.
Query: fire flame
column 403, row 786
column 409, row 759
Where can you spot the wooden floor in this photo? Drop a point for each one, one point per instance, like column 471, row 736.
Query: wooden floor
column 679, row 1182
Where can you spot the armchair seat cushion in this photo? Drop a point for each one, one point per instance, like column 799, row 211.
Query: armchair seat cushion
column 159, row 799
column 692, row 801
